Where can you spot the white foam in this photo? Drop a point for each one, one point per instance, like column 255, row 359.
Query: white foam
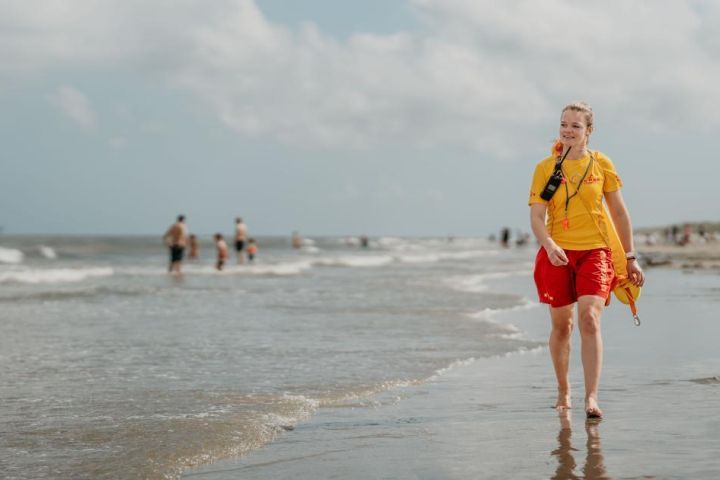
column 464, row 255
column 279, row 269
column 489, row 313
column 419, row 258
column 471, row 283
column 477, row 283
column 452, row 366
column 56, row 275
column 11, row 255
column 355, row 261
column 389, row 242
column 47, row 252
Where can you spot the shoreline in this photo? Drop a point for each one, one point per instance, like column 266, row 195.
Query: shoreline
column 692, row 256
column 493, row 418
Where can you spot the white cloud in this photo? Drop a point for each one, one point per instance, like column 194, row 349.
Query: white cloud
column 476, row 74
column 75, row 105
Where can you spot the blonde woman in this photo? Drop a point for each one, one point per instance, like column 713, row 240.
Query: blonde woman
column 574, row 263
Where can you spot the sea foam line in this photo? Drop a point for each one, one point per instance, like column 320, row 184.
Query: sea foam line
column 55, row 275
column 11, row 255
column 488, row 314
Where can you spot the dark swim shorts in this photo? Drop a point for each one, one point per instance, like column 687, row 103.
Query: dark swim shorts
column 239, row 245
column 176, row 253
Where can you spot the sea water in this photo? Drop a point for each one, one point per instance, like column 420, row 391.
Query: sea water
column 112, row 368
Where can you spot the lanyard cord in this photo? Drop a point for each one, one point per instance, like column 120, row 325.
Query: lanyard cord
column 567, row 190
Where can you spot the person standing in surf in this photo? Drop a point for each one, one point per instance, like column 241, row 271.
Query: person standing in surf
column 176, row 239
column 574, row 263
column 240, row 236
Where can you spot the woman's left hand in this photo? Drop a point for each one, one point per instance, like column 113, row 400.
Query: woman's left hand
column 635, row 273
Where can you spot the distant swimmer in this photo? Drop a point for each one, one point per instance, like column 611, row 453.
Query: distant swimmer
column 252, row 249
column 505, row 237
column 222, row 251
column 364, row 241
column 296, row 240
column 193, row 247
column 176, row 239
column 240, row 236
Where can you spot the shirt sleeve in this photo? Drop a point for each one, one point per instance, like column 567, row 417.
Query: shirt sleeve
column 612, row 179
column 538, row 184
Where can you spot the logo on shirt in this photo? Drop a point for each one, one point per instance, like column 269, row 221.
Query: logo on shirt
column 592, row 179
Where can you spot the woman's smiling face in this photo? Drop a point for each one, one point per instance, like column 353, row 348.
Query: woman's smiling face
column 574, row 131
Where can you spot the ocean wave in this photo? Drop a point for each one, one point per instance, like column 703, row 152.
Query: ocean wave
column 436, row 257
column 419, row 258
column 11, row 255
column 269, row 269
column 477, row 283
column 355, row 261
column 489, row 313
column 277, row 269
column 47, row 252
column 156, row 444
column 55, row 275
column 454, row 365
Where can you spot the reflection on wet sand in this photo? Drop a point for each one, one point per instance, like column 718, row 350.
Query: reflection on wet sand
column 594, row 468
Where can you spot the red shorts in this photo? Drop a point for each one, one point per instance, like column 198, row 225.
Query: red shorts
column 588, row 272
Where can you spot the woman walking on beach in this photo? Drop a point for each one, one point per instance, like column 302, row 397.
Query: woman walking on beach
column 574, row 263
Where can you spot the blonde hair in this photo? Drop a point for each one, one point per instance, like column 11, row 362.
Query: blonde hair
column 581, row 107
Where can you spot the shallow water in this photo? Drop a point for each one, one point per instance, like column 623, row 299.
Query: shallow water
column 493, row 418
column 113, row 369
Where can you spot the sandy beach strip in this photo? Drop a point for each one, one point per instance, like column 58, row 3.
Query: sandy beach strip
column 493, row 418
column 697, row 255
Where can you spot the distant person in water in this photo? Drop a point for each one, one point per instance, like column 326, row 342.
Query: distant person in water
column 364, row 241
column 222, row 251
column 296, row 240
column 252, row 250
column 193, row 247
column 505, row 237
column 176, row 239
column 240, row 236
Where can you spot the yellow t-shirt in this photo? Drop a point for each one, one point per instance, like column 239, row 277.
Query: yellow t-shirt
column 582, row 231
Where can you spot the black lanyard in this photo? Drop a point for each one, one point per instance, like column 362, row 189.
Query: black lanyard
column 567, row 190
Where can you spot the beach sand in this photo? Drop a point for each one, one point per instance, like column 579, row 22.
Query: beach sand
column 700, row 255
column 493, row 418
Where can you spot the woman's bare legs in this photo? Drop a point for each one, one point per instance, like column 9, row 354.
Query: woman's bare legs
column 559, row 343
column 589, row 311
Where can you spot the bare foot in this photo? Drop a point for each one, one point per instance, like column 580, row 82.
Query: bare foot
column 592, row 409
column 563, row 401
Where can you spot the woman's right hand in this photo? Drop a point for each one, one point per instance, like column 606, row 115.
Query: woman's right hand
column 555, row 254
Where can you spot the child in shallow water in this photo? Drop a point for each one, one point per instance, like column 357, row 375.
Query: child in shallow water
column 222, row 251
column 251, row 249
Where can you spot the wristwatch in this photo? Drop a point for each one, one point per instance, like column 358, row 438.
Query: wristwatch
column 630, row 256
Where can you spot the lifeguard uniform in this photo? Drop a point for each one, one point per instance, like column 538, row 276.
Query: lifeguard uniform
column 576, row 221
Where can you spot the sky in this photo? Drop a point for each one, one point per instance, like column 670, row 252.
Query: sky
column 330, row 117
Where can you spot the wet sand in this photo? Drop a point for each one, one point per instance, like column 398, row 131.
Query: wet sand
column 493, row 418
